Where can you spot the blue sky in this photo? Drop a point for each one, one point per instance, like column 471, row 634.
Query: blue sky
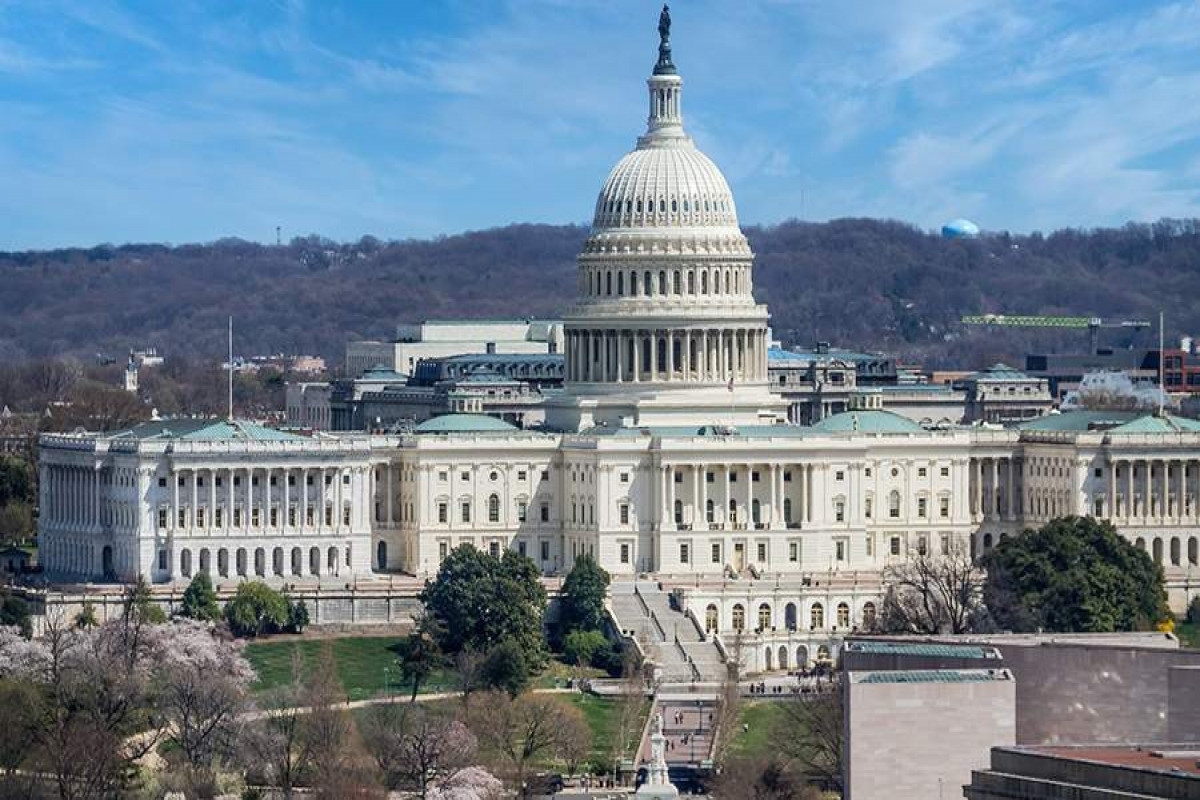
column 188, row 121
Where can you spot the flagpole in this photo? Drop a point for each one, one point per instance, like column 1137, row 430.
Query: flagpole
column 231, row 368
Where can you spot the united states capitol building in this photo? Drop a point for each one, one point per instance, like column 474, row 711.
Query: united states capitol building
column 665, row 455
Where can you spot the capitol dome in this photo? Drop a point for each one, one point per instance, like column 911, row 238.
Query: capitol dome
column 662, row 184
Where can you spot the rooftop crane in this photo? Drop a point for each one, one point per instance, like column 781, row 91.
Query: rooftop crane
column 1092, row 324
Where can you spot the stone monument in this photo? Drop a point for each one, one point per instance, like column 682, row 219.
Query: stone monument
column 658, row 785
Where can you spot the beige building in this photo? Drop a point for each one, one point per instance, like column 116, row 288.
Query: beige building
column 440, row 338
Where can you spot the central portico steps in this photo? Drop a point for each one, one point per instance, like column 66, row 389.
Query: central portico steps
column 667, row 636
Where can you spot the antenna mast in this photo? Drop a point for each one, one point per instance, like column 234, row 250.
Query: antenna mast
column 231, row 368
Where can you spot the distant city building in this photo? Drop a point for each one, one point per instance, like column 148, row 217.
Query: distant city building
column 307, row 405
column 439, row 338
column 131, row 375
column 147, row 358
column 1133, row 771
column 1002, row 395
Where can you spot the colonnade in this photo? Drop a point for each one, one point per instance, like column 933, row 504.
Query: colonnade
column 292, row 500
column 784, row 496
column 719, row 282
column 1153, row 490
column 693, row 356
column 995, row 487
column 71, row 496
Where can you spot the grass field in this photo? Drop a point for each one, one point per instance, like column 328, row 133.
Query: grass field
column 364, row 663
column 761, row 718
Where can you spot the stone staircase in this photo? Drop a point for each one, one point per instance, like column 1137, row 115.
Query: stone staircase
column 668, row 637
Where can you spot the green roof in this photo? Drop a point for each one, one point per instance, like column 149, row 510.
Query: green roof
column 679, row 431
column 999, row 372
column 206, row 430
column 934, row 676
column 1112, row 422
column 922, row 649
column 867, row 421
column 464, row 423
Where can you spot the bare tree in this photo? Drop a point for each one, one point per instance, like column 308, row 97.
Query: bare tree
column 810, row 732
column 468, row 665
column 327, row 728
column 928, row 594
column 413, row 745
column 519, row 731
column 761, row 779
column 729, row 701
column 205, row 688
column 631, row 711
column 574, row 739
column 276, row 746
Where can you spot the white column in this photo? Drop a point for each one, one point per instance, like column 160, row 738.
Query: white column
column 636, row 338
column 725, row 496
column 670, row 355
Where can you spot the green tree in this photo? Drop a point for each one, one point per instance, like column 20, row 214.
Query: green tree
column 583, row 595
column 506, row 668
column 16, row 481
column 479, row 600
column 586, row 648
column 256, row 609
column 1074, row 574
column 16, row 522
column 139, row 604
column 200, row 599
column 297, row 616
column 14, row 613
column 420, row 657
column 86, row 618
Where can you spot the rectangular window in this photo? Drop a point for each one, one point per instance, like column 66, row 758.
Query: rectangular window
column 624, row 553
column 292, row 516
column 182, row 518
column 733, row 477
column 870, row 545
column 521, row 547
column 839, row 475
column 200, row 482
column 683, row 553
column 754, row 476
column 921, row 506
column 867, row 472
column 494, row 549
column 793, row 552
column 709, row 477
column 945, row 472
column 237, row 480
column 237, row 518
column 255, row 517
column 787, row 476
column 522, row 510
column 545, row 474
column 329, row 516
column 762, row 552
column 308, row 480
column 162, row 519
column 308, row 515
column 466, row 476
column 219, row 517
column 716, row 553
column 162, row 482
column 895, row 545
column 944, row 506
column 443, row 475
column 466, row 511
column 545, row 550
column 867, row 508
column 841, row 551
column 922, row 546
column 443, row 513
column 678, row 476
column 545, row 509
column 624, row 510
column 346, row 515
column 624, row 477
column 345, row 478
column 839, row 511
column 522, row 475
column 274, row 479
column 921, row 472
column 443, row 550
column 945, row 544
column 292, row 479
column 274, row 517
column 162, row 560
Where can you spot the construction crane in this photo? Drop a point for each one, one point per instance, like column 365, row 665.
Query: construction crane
column 1092, row 324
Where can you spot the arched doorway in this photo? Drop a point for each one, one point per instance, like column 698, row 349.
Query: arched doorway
column 783, row 656
column 185, row 563
column 277, row 560
column 739, row 618
column 711, row 617
column 789, row 616
column 768, row 663
column 106, row 561
column 801, row 656
column 381, row 555
column 764, row 617
column 297, row 561
column 260, row 562
column 205, row 560
column 314, row 561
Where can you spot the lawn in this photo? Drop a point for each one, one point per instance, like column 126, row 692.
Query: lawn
column 366, row 665
column 761, row 719
column 603, row 717
column 363, row 665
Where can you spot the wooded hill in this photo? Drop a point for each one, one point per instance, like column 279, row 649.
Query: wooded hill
column 861, row 283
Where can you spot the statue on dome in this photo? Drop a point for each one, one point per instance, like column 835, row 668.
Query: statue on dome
column 664, row 24
column 664, row 65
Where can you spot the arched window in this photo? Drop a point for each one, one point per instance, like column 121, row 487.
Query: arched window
column 277, row 560
column 662, row 206
column 314, row 561
column 767, row 659
column 816, row 617
column 647, row 288
column 789, row 616
column 1158, row 550
column 755, row 511
column 223, row 563
column 674, row 205
column 633, row 284
column 691, row 282
column 843, row 615
column 717, row 282
column 987, row 542
column 678, row 512
column 493, row 508
column 764, row 617
column 185, row 563
column 733, row 515
column 894, row 504
column 297, row 561
column 787, row 509
column 1193, row 551
column 677, row 284
column 868, row 615
column 704, row 282
column 739, row 618
column 711, row 618
column 708, row 511
column 1175, row 551
column 608, row 282
column 620, row 284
